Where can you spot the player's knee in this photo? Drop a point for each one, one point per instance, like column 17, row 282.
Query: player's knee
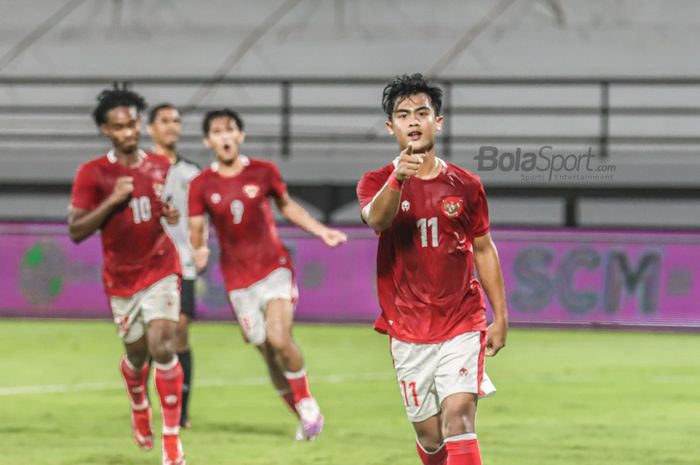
column 430, row 441
column 456, row 423
column 162, row 350
column 137, row 359
column 279, row 340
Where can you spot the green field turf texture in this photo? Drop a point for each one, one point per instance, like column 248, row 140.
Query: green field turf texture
column 564, row 398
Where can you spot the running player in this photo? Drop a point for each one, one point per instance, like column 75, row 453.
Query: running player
column 119, row 194
column 165, row 127
column 235, row 192
column 432, row 221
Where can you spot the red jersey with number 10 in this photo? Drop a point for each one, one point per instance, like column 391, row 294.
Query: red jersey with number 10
column 425, row 280
column 137, row 251
column 239, row 207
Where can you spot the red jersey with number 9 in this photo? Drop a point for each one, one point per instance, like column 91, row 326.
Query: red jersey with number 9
column 239, row 207
column 425, row 263
column 137, row 251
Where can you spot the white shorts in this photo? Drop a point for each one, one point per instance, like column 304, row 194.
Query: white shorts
column 250, row 303
column 428, row 373
column 159, row 301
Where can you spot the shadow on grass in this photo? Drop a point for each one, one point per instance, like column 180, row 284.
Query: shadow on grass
column 244, row 428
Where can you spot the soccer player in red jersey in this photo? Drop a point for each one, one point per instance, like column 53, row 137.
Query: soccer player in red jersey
column 119, row 194
column 431, row 218
column 258, row 274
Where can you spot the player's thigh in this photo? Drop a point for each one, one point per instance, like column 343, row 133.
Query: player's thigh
column 128, row 318
column 458, row 414
column 415, row 372
column 279, row 314
column 248, row 306
column 161, row 300
column 460, row 367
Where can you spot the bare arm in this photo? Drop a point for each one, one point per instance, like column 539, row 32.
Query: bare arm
column 295, row 213
column 381, row 211
column 199, row 234
column 491, row 278
column 83, row 223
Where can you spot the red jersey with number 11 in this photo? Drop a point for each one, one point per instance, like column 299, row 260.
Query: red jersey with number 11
column 137, row 251
column 425, row 262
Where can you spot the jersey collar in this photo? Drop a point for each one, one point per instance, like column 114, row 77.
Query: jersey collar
column 244, row 159
column 113, row 158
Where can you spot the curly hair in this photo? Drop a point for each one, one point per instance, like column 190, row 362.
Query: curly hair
column 113, row 98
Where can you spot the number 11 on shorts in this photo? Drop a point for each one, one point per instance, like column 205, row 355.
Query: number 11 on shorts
column 414, row 394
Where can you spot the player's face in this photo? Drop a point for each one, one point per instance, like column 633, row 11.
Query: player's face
column 123, row 127
column 224, row 138
column 166, row 128
column 414, row 122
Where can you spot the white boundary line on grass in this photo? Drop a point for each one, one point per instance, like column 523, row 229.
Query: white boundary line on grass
column 257, row 381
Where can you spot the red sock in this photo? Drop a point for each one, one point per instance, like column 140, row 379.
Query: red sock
column 288, row 399
column 169, row 386
column 433, row 458
column 463, row 451
column 299, row 384
column 135, row 381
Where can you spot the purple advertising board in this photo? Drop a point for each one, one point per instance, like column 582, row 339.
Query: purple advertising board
column 560, row 277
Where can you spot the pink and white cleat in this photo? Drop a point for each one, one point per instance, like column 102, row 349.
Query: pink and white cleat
column 172, row 450
column 141, row 428
column 311, row 419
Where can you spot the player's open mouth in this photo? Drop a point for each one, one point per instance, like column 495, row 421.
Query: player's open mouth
column 227, row 147
column 415, row 135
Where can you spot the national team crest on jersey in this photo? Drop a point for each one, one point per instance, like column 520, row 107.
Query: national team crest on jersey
column 405, row 205
column 158, row 189
column 215, row 198
column 251, row 190
column 452, row 206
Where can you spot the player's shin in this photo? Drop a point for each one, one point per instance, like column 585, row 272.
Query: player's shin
column 135, row 381
column 299, row 383
column 463, row 450
column 169, row 378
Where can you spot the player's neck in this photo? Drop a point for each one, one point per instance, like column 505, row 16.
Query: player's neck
column 429, row 168
column 234, row 169
column 128, row 159
column 168, row 152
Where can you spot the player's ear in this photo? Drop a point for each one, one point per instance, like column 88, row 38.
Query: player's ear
column 149, row 130
column 389, row 126
column 206, row 142
column 241, row 137
column 438, row 120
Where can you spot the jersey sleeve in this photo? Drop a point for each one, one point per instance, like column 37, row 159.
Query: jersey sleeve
column 479, row 211
column 370, row 184
column 85, row 194
column 278, row 189
column 195, row 198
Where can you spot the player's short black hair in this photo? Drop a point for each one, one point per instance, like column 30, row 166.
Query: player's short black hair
column 153, row 113
column 113, row 98
column 405, row 85
column 224, row 112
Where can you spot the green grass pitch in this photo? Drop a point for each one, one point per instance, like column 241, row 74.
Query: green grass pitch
column 564, row 398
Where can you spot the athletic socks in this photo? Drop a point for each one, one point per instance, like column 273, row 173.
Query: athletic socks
column 463, row 450
column 186, row 362
column 168, row 378
column 288, row 399
column 135, row 381
column 299, row 384
column 437, row 457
